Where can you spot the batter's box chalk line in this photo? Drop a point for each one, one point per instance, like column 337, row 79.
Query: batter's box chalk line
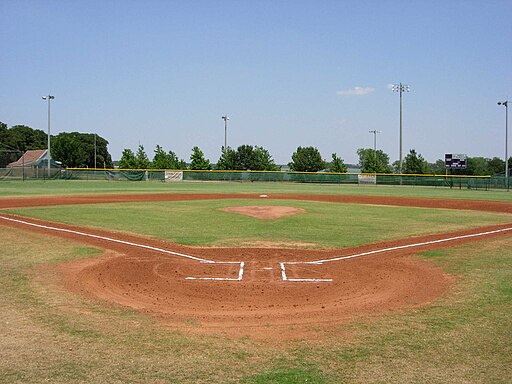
column 240, row 272
column 299, row 280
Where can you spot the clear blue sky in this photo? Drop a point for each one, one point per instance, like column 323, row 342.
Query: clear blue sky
column 288, row 73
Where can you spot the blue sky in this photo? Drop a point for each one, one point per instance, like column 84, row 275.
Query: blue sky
column 288, row 73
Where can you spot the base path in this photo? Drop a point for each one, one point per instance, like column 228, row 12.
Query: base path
column 277, row 293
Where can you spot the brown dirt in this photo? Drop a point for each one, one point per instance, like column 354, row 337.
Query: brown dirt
column 261, row 305
column 264, row 212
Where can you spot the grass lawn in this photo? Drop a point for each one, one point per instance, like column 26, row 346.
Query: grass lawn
column 321, row 224
column 50, row 335
column 73, row 187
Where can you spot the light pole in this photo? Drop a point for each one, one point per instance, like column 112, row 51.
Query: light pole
column 505, row 103
column 95, row 151
column 375, row 139
column 225, row 118
column 401, row 88
column 49, row 98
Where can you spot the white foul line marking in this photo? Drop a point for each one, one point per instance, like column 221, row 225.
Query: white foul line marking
column 240, row 274
column 283, row 268
column 402, row 247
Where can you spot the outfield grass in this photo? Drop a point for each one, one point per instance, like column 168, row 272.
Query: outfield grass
column 50, row 335
column 73, row 187
column 320, row 225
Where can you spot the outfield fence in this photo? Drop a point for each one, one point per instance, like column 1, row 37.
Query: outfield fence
column 450, row 181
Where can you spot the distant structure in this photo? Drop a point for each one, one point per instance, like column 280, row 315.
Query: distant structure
column 34, row 159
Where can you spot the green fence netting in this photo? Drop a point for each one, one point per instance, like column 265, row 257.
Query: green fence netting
column 448, row 181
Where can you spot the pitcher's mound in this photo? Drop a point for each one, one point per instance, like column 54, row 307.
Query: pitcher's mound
column 264, row 212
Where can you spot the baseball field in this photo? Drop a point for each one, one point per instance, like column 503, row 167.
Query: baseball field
column 198, row 282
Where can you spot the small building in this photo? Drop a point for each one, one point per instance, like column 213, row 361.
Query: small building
column 31, row 158
column 34, row 161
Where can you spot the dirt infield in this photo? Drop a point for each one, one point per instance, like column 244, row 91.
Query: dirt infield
column 277, row 293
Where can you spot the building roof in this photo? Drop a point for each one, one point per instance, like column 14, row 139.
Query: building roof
column 30, row 157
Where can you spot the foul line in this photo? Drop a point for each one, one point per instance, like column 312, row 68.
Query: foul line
column 119, row 241
column 403, row 247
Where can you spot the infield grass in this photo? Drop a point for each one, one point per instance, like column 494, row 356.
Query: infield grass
column 320, row 225
column 51, row 335
column 74, row 187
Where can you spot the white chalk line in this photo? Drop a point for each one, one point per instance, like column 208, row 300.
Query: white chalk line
column 201, row 260
column 239, row 278
column 448, row 239
column 299, row 280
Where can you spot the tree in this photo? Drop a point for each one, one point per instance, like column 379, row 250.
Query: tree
column 197, row 160
column 8, row 153
column 495, row 166
column 371, row 161
column 163, row 160
column 337, row 165
column 246, row 157
column 76, row 149
column 263, row 160
column 103, row 157
column 476, row 166
column 252, row 158
column 128, row 160
column 307, row 159
column 438, row 168
column 69, row 150
column 227, row 160
column 141, row 158
column 24, row 138
column 414, row 163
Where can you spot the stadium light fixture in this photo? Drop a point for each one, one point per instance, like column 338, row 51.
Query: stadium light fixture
column 225, row 118
column 505, row 104
column 49, row 98
column 401, row 88
column 375, row 139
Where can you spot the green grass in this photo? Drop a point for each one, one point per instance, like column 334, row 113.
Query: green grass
column 321, row 224
column 51, row 335
column 73, row 187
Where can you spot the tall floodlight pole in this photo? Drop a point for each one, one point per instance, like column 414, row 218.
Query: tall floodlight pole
column 225, row 118
column 505, row 103
column 49, row 98
column 401, row 88
column 375, row 139
column 95, row 151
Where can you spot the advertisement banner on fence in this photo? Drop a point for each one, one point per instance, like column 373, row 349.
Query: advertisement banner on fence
column 173, row 176
column 366, row 179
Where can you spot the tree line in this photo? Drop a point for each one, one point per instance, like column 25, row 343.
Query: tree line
column 73, row 149
column 76, row 149
column 245, row 157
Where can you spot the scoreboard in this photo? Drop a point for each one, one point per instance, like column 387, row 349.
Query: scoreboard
column 455, row 161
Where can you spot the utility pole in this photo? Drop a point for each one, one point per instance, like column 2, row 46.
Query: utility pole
column 225, row 118
column 375, row 139
column 49, row 98
column 505, row 104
